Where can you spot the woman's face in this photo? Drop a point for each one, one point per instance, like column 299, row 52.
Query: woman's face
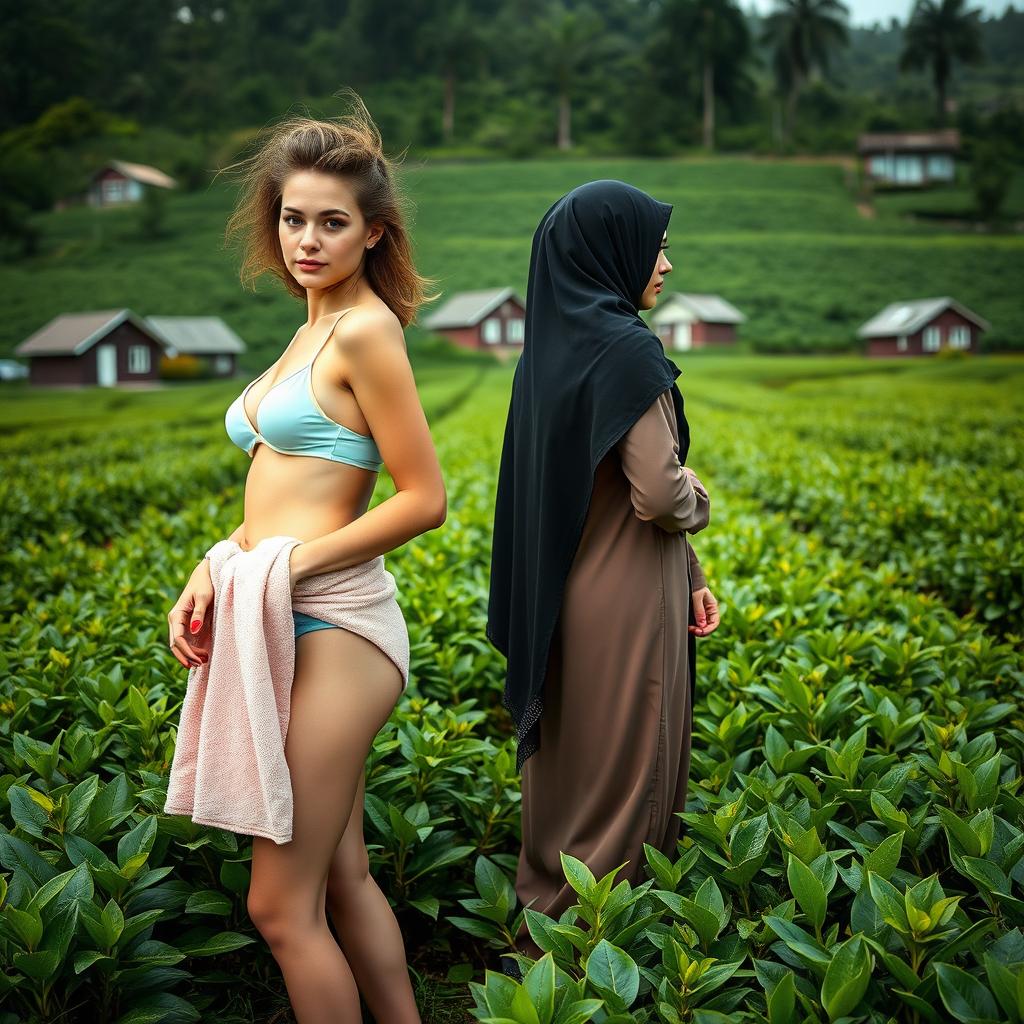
column 321, row 223
column 661, row 267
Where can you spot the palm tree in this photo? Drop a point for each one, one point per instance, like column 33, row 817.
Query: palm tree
column 716, row 30
column 453, row 41
column 937, row 34
column 567, row 45
column 801, row 34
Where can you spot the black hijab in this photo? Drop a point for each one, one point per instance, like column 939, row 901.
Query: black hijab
column 590, row 368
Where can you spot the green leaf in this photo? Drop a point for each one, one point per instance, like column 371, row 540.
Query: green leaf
column 889, row 902
column 138, row 841
column 522, row 1008
column 540, row 983
column 1005, row 986
column 846, row 979
column 782, row 1000
column 964, row 996
column 40, row 965
column 579, row 1012
column 429, row 905
column 960, row 831
column 808, row 891
column 578, row 875
column 208, row 901
column 612, row 970
column 885, row 857
column 225, row 942
column 493, row 884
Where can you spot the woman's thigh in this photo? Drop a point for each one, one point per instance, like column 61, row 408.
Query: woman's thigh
column 344, row 689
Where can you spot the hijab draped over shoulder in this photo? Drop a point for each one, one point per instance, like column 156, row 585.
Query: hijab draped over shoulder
column 590, row 368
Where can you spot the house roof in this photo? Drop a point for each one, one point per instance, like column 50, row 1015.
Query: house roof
column 712, row 309
column 908, row 142
column 465, row 309
column 74, row 333
column 142, row 173
column 911, row 315
column 197, row 335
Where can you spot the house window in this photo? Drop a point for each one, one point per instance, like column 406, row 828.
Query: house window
column 114, row 190
column 222, row 364
column 138, row 359
column 960, row 336
column 932, row 339
column 901, row 343
column 492, row 330
column 515, row 329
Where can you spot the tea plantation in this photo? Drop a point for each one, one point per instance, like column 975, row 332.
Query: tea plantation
column 854, row 840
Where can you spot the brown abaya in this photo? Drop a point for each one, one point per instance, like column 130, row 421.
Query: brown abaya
column 614, row 757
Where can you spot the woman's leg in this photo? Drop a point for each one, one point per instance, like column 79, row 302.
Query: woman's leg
column 344, row 689
column 367, row 929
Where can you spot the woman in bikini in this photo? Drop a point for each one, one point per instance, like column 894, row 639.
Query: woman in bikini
column 318, row 208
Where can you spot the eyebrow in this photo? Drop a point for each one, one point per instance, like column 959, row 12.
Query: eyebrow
column 323, row 213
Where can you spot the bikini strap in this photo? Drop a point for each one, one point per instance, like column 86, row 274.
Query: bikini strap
column 329, row 333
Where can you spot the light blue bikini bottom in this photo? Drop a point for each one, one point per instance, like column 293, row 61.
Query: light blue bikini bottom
column 306, row 623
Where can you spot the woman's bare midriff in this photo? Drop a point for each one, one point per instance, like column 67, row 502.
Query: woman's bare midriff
column 301, row 496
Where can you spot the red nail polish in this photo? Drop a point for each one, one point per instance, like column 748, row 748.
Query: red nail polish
column 196, row 623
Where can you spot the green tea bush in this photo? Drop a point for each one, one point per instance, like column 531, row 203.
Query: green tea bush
column 853, row 842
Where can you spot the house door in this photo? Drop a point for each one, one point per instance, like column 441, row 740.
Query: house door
column 106, row 365
column 683, row 339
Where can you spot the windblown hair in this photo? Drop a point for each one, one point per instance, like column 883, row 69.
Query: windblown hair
column 350, row 146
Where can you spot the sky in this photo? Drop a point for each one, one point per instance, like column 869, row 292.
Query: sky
column 866, row 12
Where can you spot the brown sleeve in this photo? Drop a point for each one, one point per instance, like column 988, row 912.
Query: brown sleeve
column 662, row 492
column 697, row 578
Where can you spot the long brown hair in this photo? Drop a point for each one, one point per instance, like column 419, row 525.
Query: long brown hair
column 348, row 145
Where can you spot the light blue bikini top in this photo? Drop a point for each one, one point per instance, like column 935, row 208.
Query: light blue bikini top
column 293, row 423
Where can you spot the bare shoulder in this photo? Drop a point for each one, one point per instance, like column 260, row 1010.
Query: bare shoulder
column 370, row 329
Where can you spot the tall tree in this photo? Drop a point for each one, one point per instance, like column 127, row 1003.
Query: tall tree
column 453, row 42
column 936, row 35
column 715, row 32
column 567, row 44
column 802, row 35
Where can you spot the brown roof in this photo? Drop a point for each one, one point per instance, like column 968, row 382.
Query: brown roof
column 904, row 142
column 74, row 333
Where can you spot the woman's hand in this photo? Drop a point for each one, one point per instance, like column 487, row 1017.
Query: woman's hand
column 705, row 611
column 189, row 621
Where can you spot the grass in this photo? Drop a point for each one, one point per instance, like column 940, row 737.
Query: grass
column 782, row 241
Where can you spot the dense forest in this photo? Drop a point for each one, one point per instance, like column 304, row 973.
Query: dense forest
column 185, row 85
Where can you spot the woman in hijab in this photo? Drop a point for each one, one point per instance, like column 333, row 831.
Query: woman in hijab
column 596, row 595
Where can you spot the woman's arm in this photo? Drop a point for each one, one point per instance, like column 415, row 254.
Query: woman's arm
column 662, row 491
column 379, row 374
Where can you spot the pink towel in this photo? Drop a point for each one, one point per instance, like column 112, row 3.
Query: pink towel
column 229, row 768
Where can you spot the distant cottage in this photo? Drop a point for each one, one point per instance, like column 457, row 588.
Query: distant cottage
column 686, row 320
column 118, row 182
column 115, row 346
column 207, row 338
column 493, row 318
column 106, row 347
column 909, row 158
column 923, row 327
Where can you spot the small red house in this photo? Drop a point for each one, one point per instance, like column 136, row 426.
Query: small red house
column 107, row 347
column 685, row 320
column 493, row 318
column 922, row 327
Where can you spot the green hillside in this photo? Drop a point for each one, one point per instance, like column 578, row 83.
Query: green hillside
column 781, row 240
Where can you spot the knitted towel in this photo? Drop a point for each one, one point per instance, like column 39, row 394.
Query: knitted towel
column 229, row 768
